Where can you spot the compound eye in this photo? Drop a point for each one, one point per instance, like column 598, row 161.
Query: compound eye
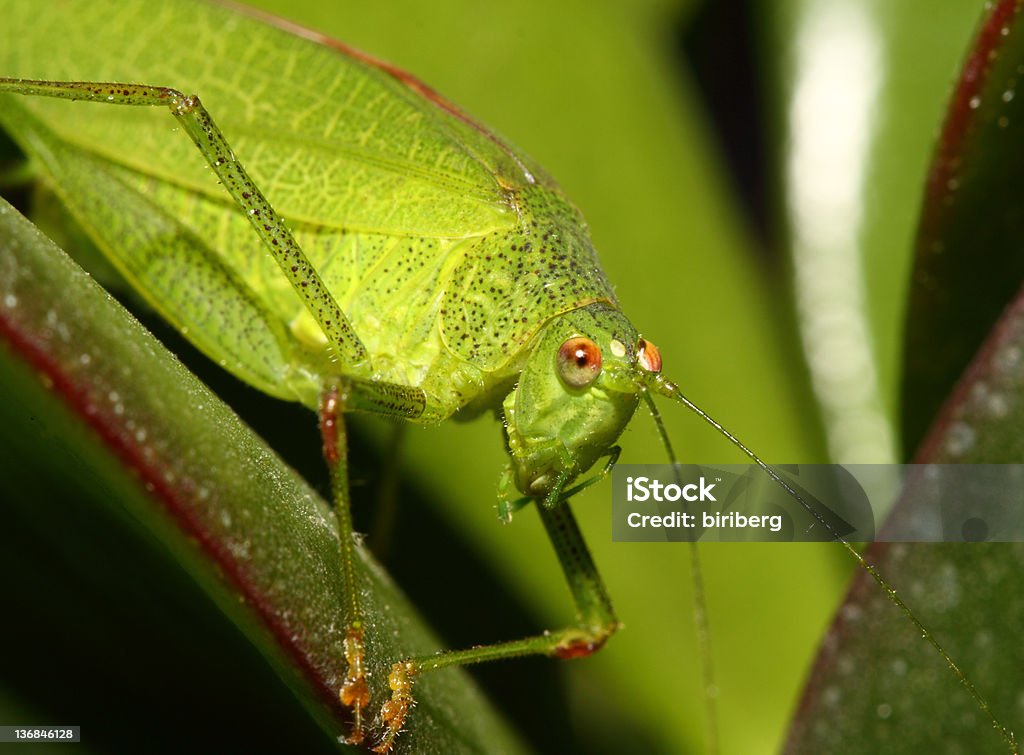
column 579, row 362
column 648, row 356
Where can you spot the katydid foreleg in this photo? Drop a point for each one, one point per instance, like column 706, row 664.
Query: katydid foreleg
column 595, row 623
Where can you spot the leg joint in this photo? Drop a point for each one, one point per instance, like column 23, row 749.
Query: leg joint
column 582, row 643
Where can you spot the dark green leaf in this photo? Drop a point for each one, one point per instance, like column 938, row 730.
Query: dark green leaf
column 968, row 263
column 877, row 686
column 167, row 576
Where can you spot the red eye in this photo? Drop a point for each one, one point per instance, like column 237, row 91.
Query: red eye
column 648, row 356
column 579, row 362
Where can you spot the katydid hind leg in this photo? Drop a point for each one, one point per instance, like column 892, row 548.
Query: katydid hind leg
column 271, row 229
column 354, row 393
column 355, row 692
column 348, row 394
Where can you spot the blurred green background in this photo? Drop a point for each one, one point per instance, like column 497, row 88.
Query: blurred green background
column 751, row 173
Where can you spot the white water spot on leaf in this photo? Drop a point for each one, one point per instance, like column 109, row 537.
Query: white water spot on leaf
column 948, row 594
column 846, row 665
column 1007, row 360
column 884, row 710
column 968, row 720
column 852, row 613
column 979, row 391
column 997, row 405
column 10, row 301
column 983, row 638
column 960, row 439
column 240, row 549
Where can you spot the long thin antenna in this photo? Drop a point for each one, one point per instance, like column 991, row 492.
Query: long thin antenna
column 700, row 603
column 671, row 390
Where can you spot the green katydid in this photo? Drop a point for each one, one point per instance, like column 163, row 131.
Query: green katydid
column 422, row 199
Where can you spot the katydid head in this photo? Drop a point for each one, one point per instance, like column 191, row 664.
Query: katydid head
column 577, row 392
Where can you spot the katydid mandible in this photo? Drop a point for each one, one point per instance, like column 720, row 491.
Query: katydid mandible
column 445, row 273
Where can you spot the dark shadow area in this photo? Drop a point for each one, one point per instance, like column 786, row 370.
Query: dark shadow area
column 717, row 44
column 105, row 631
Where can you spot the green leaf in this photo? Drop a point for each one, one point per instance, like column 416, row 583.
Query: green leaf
column 968, row 265
column 593, row 91
column 165, row 571
column 877, row 687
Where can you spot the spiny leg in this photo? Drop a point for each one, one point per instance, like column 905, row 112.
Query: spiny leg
column 273, row 232
column 355, row 693
column 355, row 394
column 364, row 395
column 595, row 623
